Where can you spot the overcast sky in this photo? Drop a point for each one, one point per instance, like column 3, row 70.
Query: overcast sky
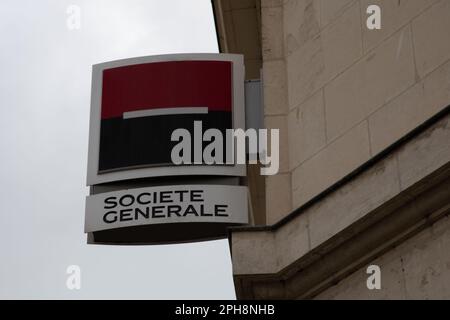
column 45, row 84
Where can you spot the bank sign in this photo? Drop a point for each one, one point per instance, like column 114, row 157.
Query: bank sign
column 139, row 193
column 137, row 104
column 168, row 204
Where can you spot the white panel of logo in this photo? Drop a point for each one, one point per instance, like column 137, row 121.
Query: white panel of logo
column 166, row 204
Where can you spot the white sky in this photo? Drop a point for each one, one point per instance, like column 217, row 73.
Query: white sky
column 45, row 83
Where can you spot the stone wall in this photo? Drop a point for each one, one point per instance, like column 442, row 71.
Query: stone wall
column 417, row 269
column 341, row 93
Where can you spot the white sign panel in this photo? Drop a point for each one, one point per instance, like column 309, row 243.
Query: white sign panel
column 166, row 204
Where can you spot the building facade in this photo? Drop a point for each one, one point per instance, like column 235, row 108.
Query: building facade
column 364, row 123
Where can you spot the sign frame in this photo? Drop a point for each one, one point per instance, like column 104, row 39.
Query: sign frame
column 238, row 112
